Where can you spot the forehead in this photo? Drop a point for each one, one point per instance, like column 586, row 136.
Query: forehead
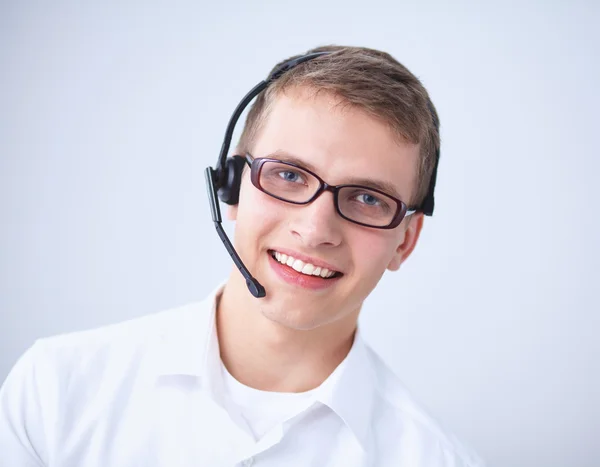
column 340, row 142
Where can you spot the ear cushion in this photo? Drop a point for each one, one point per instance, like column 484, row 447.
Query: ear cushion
column 229, row 191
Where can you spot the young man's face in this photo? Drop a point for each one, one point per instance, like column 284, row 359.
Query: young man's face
column 341, row 144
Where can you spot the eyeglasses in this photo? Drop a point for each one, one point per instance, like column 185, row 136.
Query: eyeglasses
column 296, row 185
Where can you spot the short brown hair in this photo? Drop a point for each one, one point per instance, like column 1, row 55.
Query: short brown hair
column 370, row 80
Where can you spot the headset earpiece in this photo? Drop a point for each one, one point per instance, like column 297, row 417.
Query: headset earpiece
column 230, row 181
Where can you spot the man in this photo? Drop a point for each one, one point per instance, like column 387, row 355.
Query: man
column 336, row 170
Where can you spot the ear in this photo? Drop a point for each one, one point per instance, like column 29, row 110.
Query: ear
column 232, row 212
column 412, row 230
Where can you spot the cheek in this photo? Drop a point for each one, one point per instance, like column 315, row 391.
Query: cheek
column 256, row 210
column 373, row 251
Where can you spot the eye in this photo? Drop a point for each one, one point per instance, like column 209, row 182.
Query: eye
column 368, row 199
column 290, row 176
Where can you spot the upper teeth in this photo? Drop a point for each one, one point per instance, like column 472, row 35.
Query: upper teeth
column 301, row 266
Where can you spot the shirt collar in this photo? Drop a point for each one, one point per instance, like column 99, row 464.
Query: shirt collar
column 349, row 391
column 189, row 346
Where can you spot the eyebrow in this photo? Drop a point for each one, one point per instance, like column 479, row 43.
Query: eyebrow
column 380, row 185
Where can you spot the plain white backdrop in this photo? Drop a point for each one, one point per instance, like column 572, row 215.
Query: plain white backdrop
column 110, row 112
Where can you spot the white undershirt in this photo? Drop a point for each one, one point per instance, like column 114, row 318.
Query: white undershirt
column 263, row 410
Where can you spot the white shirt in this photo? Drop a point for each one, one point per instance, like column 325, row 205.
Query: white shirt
column 150, row 392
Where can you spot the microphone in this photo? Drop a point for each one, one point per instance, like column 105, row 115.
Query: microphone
column 255, row 287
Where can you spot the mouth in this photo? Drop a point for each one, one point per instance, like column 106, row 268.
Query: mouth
column 304, row 268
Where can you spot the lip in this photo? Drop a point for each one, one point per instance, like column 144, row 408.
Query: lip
column 308, row 259
column 293, row 277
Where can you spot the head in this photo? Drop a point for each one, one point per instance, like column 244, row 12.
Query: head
column 354, row 116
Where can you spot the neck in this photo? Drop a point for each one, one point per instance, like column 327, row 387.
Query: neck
column 266, row 355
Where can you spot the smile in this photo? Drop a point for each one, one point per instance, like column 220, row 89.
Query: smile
column 302, row 267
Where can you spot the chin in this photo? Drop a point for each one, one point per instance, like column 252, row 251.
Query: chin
column 296, row 319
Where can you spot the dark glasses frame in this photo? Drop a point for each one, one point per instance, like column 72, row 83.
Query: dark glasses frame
column 256, row 165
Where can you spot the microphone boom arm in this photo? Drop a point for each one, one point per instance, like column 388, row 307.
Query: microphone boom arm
column 255, row 288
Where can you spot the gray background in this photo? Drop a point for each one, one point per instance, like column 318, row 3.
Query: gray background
column 109, row 113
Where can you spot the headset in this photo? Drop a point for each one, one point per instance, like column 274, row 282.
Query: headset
column 225, row 179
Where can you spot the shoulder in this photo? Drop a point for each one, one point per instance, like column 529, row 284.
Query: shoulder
column 404, row 418
column 66, row 380
column 84, row 361
column 116, row 343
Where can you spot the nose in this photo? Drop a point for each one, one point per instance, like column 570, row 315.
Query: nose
column 317, row 224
